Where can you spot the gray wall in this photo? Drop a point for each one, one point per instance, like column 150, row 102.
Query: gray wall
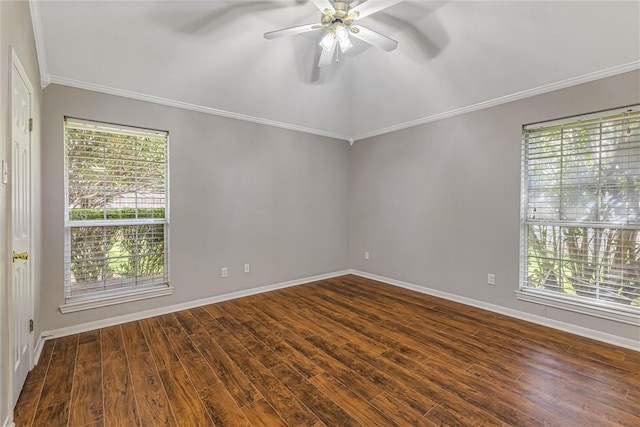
column 435, row 205
column 240, row 193
column 439, row 205
column 16, row 32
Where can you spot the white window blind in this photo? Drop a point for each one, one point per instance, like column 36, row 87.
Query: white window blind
column 116, row 224
column 581, row 210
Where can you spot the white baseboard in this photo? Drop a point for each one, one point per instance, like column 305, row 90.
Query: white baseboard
column 90, row 326
column 563, row 326
column 38, row 350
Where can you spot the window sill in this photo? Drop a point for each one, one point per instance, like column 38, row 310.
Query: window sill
column 630, row 315
column 104, row 301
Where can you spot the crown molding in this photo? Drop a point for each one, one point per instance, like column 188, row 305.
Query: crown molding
column 38, row 35
column 188, row 106
column 46, row 79
column 574, row 81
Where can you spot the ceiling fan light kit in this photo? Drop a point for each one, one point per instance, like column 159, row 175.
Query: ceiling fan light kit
column 338, row 19
column 337, row 34
column 339, row 23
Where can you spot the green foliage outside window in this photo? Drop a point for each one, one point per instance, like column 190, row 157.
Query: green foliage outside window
column 116, row 186
column 583, row 209
column 107, row 253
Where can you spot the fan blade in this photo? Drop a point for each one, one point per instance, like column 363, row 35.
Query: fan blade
column 323, row 4
column 372, row 6
column 292, row 31
column 326, row 57
column 374, row 38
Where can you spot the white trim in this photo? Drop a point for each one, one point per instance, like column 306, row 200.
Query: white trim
column 38, row 35
column 563, row 326
column 15, row 62
column 38, row 350
column 104, row 301
column 557, row 300
column 8, row 422
column 573, row 81
column 46, row 79
column 556, row 324
column 188, row 106
column 84, row 327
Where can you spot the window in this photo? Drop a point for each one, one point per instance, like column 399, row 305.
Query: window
column 581, row 214
column 116, row 225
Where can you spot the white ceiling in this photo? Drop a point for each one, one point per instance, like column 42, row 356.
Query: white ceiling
column 452, row 56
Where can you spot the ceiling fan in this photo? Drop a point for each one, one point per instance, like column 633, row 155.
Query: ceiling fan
column 339, row 20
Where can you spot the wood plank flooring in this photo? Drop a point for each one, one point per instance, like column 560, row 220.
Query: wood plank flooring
column 341, row 352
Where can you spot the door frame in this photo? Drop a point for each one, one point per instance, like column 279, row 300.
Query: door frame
column 17, row 70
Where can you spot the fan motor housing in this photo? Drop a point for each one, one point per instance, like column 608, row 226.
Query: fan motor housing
column 342, row 9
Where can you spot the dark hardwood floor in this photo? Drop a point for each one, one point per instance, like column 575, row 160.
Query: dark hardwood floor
column 340, row 352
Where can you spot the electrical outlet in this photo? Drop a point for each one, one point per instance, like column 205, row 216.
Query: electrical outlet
column 224, row 272
column 247, row 268
column 491, row 279
column 366, row 255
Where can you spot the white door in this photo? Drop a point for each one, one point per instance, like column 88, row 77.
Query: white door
column 21, row 287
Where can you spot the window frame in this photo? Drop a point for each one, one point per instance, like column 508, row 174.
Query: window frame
column 129, row 293
column 579, row 304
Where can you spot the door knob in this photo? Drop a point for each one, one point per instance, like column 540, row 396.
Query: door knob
column 20, row 255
